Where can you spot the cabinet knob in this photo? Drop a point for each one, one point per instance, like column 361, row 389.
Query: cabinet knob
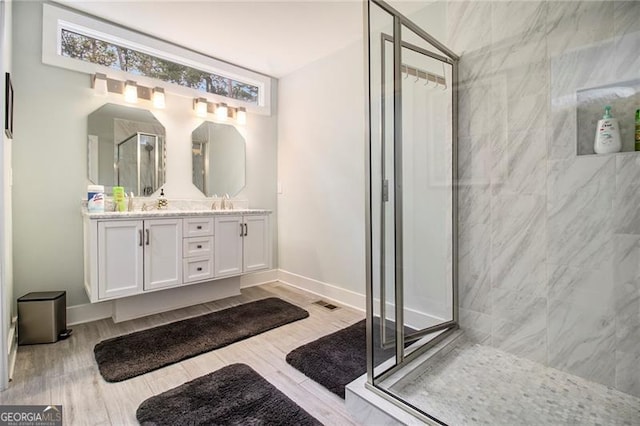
column 199, row 268
column 199, row 246
column 199, row 227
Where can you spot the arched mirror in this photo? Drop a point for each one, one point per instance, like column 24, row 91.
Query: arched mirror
column 218, row 152
column 126, row 147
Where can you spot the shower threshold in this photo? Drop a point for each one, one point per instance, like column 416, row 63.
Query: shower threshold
column 466, row 383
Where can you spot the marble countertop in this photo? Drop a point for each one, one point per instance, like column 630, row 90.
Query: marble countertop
column 171, row 213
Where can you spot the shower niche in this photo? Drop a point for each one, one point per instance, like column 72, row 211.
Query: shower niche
column 126, row 147
column 624, row 99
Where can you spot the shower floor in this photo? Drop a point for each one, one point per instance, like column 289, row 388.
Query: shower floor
column 472, row 384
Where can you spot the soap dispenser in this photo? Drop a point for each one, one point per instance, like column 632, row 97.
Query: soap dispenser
column 162, row 200
column 607, row 134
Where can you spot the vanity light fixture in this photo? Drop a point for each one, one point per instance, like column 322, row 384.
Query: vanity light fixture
column 100, row 84
column 241, row 115
column 158, row 98
column 104, row 85
column 200, row 105
column 131, row 91
column 222, row 111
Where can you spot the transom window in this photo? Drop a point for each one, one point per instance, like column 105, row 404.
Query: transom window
column 90, row 49
column 84, row 43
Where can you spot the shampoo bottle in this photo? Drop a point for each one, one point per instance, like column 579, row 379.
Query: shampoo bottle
column 607, row 134
column 638, row 130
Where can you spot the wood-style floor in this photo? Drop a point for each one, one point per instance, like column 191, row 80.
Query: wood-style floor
column 66, row 372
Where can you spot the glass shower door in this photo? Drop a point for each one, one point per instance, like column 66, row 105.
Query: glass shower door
column 412, row 297
column 425, row 144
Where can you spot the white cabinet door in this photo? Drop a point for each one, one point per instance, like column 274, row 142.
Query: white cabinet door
column 257, row 244
column 120, row 259
column 162, row 253
column 227, row 239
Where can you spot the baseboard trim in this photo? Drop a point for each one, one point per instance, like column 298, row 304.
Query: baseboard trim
column 79, row 314
column 325, row 290
column 412, row 318
column 258, row 278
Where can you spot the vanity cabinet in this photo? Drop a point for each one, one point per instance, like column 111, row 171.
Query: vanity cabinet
column 162, row 253
column 137, row 255
column 256, row 243
column 228, row 230
column 127, row 254
column 120, row 258
column 242, row 244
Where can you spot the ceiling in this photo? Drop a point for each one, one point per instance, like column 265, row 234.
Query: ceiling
column 273, row 38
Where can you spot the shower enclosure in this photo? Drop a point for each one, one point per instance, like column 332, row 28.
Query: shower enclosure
column 542, row 325
column 412, row 295
column 139, row 163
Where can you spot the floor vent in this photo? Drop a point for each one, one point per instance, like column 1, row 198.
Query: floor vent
column 325, row 305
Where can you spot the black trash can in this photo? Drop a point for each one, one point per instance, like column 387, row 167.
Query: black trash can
column 42, row 317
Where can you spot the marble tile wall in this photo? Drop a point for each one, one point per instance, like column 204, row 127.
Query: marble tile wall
column 549, row 241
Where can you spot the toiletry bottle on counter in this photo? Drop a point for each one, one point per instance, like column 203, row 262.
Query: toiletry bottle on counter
column 162, row 200
column 638, row 130
column 119, row 199
column 607, row 134
column 95, row 198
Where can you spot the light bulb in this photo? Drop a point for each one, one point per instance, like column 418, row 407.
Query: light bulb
column 158, row 98
column 131, row 91
column 241, row 115
column 100, row 84
column 201, row 107
column 221, row 112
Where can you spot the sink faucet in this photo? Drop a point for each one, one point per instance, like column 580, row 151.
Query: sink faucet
column 226, row 203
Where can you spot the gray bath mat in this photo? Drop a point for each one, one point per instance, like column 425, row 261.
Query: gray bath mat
column 233, row 395
column 137, row 353
column 339, row 358
column 334, row 360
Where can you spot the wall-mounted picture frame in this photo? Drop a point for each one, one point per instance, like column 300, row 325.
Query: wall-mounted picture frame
column 8, row 107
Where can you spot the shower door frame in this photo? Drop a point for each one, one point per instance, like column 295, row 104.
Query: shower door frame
column 402, row 359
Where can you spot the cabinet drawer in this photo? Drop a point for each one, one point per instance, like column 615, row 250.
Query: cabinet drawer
column 197, row 269
column 197, row 227
column 197, row 247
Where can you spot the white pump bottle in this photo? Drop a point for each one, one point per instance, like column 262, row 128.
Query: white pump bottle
column 607, row 134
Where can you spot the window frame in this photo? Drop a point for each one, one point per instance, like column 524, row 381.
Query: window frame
column 55, row 19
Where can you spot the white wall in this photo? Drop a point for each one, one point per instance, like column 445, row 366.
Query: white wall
column 6, row 265
column 321, row 170
column 50, row 164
